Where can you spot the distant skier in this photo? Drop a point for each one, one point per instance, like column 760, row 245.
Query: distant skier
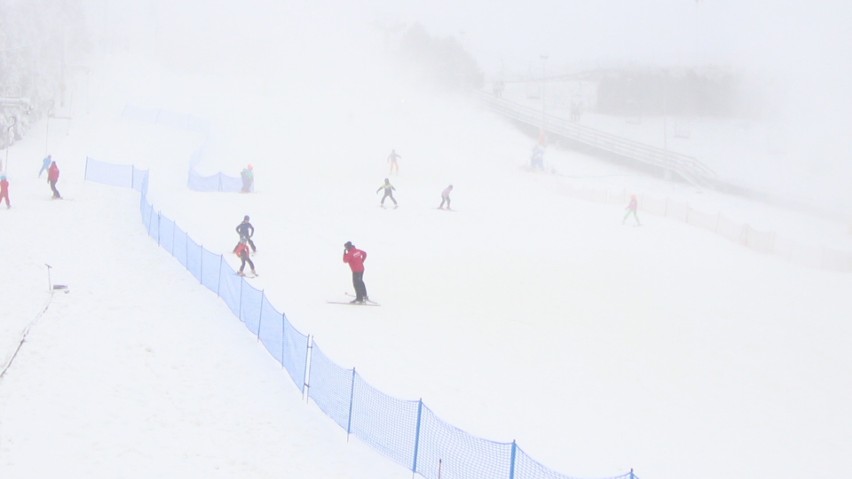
column 445, row 197
column 246, row 231
column 388, row 189
column 631, row 209
column 247, row 175
column 537, row 158
column 45, row 165
column 4, row 191
column 52, row 178
column 355, row 258
column 394, row 164
column 242, row 252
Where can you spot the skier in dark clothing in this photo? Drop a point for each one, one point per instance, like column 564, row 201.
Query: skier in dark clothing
column 388, row 189
column 246, row 230
column 242, row 251
column 445, row 197
column 355, row 258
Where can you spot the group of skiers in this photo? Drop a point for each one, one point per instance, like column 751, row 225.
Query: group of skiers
column 387, row 188
column 351, row 255
column 355, row 257
column 47, row 165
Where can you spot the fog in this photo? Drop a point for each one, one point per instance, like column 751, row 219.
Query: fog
column 308, row 89
column 788, row 58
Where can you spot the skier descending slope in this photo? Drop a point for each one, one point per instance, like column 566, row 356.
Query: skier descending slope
column 388, row 189
column 445, row 197
column 4, row 191
column 242, row 251
column 246, row 230
column 355, row 258
column 52, row 178
column 631, row 210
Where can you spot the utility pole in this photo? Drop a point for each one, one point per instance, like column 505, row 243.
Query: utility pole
column 543, row 79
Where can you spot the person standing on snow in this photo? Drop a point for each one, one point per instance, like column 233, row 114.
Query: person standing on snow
column 394, row 164
column 355, row 258
column 445, row 197
column 247, row 175
column 631, row 209
column 246, row 231
column 242, row 252
column 52, row 178
column 388, row 189
column 4, row 191
column 45, row 165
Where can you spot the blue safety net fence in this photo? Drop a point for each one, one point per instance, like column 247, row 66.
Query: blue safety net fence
column 195, row 181
column 406, row 431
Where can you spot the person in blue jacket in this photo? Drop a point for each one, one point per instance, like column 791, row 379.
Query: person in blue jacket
column 45, row 165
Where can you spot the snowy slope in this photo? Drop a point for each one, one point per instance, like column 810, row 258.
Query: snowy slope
column 525, row 314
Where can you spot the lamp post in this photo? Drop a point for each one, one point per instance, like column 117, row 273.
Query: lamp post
column 543, row 102
column 9, row 140
column 543, row 75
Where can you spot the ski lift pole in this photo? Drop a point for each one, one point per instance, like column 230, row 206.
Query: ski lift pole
column 49, row 282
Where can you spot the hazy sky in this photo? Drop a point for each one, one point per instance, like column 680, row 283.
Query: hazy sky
column 659, row 31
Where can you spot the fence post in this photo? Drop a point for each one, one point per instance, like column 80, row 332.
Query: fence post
column 85, row 169
column 512, row 464
column 308, row 357
column 240, row 312
column 201, row 265
column 132, row 175
column 351, row 400
column 417, row 436
column 174, row 228
column 260, row 317
column 219, row 279
column 150, row 215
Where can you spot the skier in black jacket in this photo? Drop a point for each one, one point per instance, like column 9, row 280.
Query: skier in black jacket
column 246, row 230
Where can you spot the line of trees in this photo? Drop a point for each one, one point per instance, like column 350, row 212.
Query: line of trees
column 442, row 61
column 36, row 37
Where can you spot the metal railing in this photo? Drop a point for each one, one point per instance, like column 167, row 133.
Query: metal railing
column 687, row 167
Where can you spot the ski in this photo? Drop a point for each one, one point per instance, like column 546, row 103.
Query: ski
column 368, row 301
column 354, row 304
column 250, row 275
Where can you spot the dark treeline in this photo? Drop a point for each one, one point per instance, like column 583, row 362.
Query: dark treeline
column 40, row 40
column 440, row 61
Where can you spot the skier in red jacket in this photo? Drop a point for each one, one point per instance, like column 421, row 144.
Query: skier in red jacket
column 242, row 251
column 4, row 190
column 52, row 178
column 631, row 210
column 355, row 257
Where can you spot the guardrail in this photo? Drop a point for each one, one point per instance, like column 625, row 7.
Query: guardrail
column 687, row 167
